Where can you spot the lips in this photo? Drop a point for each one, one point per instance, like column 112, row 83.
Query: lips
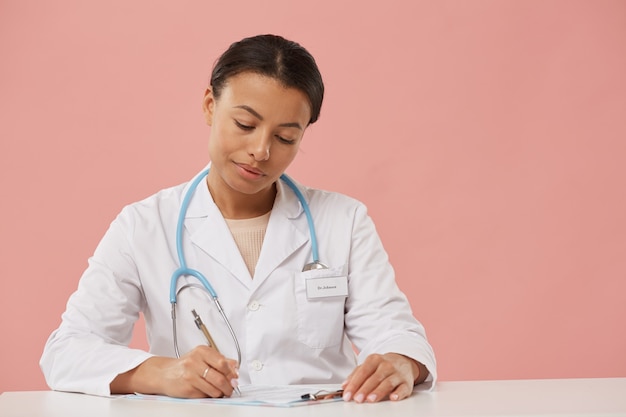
column 250, row 171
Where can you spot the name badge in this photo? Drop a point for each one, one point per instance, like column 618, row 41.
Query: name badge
column 326, row 287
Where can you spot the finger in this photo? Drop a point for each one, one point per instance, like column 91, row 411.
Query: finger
column 394, row 375
column 221, row 374
column 401, row 392
column 214, row 359
column 379, row 384
column 207, row 373
column 229, row 370
column 359, row 375
column 214, row 384
column 394, row 387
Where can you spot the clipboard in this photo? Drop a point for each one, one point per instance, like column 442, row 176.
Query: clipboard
column 263, row 396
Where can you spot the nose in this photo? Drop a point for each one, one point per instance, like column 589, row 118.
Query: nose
column 259, row 146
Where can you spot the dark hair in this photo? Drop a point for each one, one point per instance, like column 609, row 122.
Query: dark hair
column 275, row 57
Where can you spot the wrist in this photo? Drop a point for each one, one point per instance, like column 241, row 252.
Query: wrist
column 142, row 378
column 420, row 372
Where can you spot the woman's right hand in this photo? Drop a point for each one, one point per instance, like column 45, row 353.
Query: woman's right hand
column 202, row 372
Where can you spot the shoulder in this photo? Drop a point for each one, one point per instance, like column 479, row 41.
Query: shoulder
column 332, row 197
column 331, row 202
column 161, row 204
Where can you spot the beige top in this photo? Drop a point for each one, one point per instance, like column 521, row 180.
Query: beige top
column 249, row 234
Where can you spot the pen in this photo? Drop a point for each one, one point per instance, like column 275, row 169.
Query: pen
column 207, row 335
column 202, row 327
column 322, row 395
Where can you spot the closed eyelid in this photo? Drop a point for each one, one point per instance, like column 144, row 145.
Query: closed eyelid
column 286, row 140
column 258, row 116
column 247, row 127
column 243, row 125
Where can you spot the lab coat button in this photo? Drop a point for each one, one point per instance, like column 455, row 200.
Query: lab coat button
column 254, row 305
column 256, row 365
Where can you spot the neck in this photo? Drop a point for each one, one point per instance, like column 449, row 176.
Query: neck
column 236, row 205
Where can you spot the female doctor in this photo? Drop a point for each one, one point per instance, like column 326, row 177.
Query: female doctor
column 245, row 229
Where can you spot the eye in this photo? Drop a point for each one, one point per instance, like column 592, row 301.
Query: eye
column 285, row 141
column 242, row 126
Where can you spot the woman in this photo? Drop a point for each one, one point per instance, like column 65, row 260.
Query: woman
column 247, row 231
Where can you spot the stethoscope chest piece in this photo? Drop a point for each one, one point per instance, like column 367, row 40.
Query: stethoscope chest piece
column 314, row 265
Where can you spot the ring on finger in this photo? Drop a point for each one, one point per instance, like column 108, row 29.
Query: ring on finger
column 206, row 371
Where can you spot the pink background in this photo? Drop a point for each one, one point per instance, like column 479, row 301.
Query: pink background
column 486, row 137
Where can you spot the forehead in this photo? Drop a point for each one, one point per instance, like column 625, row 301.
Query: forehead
column 266, row 95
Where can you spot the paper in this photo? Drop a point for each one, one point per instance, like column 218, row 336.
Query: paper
column 258, row 395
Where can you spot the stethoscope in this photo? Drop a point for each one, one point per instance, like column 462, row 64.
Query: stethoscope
column 185, row 270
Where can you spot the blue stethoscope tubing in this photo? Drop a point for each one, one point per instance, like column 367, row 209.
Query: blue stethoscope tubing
column 185, row 270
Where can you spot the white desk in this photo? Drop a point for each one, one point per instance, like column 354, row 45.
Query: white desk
column 555, row 397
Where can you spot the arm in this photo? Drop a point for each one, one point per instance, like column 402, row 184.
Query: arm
column 90, row 347
column 200, row 373
column 394, row 352
column 89, row 352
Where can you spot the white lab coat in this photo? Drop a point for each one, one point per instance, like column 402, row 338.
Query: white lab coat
column 284, row 337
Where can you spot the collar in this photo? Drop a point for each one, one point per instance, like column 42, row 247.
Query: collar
column 203, row 205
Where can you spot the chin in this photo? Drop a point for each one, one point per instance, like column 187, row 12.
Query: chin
column 248, row 188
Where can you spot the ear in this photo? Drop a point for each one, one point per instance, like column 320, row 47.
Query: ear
column 208, row 106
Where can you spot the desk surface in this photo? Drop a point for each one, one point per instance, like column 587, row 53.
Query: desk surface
column 562, row 397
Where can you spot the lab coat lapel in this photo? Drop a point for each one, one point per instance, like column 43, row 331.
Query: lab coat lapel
column 286, row 232
column 209, row 232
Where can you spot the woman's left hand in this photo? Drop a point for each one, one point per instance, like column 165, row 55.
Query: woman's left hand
column 380, row 376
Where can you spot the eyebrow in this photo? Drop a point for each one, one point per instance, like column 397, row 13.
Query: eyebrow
column 258, row 116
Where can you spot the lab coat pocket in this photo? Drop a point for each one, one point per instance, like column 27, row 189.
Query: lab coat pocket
column 321, row 318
